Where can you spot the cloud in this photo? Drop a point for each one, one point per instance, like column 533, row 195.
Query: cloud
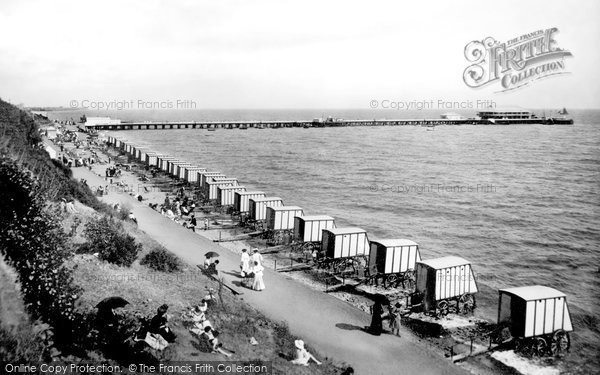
column 270, row 53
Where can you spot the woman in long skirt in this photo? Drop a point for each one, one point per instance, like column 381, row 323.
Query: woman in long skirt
column 258, row 284
column 245, row 263
column 376, row 322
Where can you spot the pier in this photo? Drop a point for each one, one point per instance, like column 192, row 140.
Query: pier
column 163, row 125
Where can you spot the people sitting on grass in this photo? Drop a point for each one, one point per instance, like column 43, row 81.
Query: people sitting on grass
column 212, row 268
column 132, row 217
column 302, row 355
column 159, row 324
column 207, row 262
column 212, row 334
column 199, row 319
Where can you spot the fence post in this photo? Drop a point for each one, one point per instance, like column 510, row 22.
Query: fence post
column 275, row 264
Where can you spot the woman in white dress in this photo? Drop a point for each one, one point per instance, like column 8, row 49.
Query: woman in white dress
column 258, row 284
column 245, row 263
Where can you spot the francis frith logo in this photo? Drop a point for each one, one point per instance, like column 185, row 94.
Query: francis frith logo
column 514, row 63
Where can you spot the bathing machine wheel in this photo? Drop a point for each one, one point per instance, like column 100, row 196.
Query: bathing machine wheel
column 466, row 303
column 561, row 343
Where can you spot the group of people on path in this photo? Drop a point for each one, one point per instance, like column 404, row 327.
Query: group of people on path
column 377, row 316
column 251, row 267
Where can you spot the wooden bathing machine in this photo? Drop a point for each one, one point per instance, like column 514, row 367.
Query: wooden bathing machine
column 240, row 200
column 211, row 190
column 393, row 256
column 257, row 207
column 310, row 228
column 537, row 317
column 344, row 242
column 445, row 279
column 282, row 217
column 226, row 194
column 208, row 176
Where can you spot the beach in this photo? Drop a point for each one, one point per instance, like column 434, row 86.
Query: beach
column 290, row 301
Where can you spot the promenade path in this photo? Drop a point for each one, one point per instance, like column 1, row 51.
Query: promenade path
column 324, row 322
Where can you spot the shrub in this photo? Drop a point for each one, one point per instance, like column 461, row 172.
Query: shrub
column 20, row 140
column 107, row 237
column 160, row 259
column 33, row 242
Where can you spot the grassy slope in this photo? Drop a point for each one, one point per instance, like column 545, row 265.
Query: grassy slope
column 19, row 338
column 146, row 289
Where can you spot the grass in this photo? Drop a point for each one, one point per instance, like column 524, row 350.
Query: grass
column 20, row 339
column 146, row 289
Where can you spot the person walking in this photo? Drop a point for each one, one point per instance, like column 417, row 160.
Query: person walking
column 395, row 312
column 258, row 283
column 193, row 223
column 376, row 327
column 256, row 257
column 245, row 263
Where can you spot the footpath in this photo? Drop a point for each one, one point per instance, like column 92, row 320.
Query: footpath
column 331, row 326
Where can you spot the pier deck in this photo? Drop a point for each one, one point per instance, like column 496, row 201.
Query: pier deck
column 309, row 124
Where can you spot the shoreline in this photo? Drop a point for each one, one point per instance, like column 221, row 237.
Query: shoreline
column 360, row 302
column 378, row 346
column 479, row 364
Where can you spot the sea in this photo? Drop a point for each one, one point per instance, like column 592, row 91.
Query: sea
column 521, row 202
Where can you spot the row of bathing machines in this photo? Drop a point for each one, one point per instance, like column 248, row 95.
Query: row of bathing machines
column 536, row 318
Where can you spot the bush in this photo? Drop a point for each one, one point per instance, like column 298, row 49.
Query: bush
column 33, row 243
column 107, row 237
column 20, row 140
column 160, row 259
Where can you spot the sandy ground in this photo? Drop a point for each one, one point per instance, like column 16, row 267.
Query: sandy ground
column 330, row 325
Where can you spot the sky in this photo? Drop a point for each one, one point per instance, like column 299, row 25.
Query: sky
column 283, row 54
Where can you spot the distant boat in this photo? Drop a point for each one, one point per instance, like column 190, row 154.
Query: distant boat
column 563, row 112
column 212, row 129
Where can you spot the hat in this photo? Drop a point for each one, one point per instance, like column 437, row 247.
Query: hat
column 163, row 308
column 255, row 249
column 299, row 344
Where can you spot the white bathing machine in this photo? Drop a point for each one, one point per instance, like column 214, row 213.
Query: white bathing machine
column 226, row 194
column 191, row 173
column 308, row 231
column 282, row 217
column 344, row 242
column 394, row 262
column 171, row 165
column 208, row 176
column 151, row 159
column 258, row 207
column 164, row 160
column 342, row 248
column 181, row 170
column 445, row 285
column 211, row 189
column 240, row 200
column 537, row 317
column 140, row 154
column 280, row 223
column 233, row 181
